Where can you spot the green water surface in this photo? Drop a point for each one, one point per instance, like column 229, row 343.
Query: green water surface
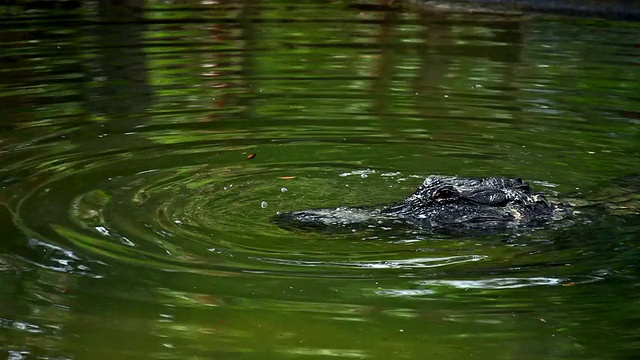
column 135, row 221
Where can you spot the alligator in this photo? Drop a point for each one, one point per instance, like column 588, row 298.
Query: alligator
column 442, row 204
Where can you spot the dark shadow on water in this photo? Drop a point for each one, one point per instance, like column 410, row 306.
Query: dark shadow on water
column 120, row 92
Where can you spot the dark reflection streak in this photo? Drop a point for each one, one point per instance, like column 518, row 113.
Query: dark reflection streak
column 122, row 92
column 247, row 18
column 383, row 75
column 432, row 66
column 512, row 58
column 433, row 51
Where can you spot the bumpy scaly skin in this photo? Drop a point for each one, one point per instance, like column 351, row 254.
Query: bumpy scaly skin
column 443, row 201
column 440, row 203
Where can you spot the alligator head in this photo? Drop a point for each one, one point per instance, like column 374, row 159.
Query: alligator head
column 440, row 203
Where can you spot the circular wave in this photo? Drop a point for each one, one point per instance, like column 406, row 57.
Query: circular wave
column 178, row 212
column 203, row 217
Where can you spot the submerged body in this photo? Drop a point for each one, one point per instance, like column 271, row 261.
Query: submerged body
column 441, row 203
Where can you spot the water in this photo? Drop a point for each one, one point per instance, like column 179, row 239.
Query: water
column 136, row 219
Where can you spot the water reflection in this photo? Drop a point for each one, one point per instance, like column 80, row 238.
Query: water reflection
column 118, row 89
column 136, row 224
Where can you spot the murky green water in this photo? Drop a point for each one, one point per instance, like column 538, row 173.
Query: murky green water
column 135, row 226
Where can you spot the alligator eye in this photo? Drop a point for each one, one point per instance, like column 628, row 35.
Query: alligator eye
column 445, row 194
